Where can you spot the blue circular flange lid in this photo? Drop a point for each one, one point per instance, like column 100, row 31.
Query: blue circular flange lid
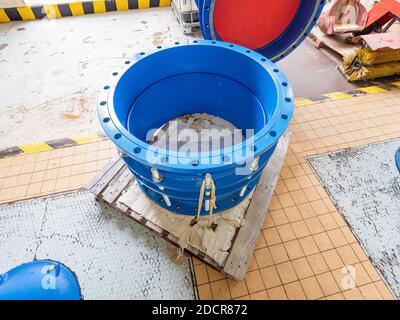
column 397, row 157
column 39, row 280
column 274, row 28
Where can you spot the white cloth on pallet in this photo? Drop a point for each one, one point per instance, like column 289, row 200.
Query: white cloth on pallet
column 213, row 242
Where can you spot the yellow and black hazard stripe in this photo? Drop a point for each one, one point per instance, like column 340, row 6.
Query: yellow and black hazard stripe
column 339, row 95
column 79, row 8
column 41, row 146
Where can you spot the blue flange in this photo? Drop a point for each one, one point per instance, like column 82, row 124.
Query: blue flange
column 305, row 19
column 217, row 78
column 397, row 158
column 39, row 280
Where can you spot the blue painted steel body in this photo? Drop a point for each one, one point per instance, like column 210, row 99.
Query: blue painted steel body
column 397, row 158
column 39, row 280
column 217, row 78
column 294, row 35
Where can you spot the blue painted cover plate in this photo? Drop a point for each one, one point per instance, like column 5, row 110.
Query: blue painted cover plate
column 39, row 280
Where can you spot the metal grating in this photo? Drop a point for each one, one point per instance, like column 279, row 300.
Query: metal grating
column 364, row 184
column 113, row 257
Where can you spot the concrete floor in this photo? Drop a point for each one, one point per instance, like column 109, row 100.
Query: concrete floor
column 11, row 3
column 312, row 73
column 52, row 69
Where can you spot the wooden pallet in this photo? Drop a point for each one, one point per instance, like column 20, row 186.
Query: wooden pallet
column 334, row 47
column 111, row 182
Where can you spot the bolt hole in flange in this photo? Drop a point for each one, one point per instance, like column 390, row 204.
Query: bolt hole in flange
column 196, row 93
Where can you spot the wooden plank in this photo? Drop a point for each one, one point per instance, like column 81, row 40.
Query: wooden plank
column 239, row 258
column 335, row 42
column 331, row 54
column 117, row 185
column 105, row 176
column 162, row 233
column 154, row 227
column 136, row 217
column 212, row 263
column 122, row 207
column 172, row 238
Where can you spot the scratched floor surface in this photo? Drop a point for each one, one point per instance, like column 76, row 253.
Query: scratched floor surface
column 52, row 70
column 113, row 257
column 364, row 184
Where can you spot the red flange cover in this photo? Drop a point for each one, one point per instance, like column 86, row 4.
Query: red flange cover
column 261, row 21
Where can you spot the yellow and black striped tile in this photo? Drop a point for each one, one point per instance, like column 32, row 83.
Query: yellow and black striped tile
column 383, row 87
column 38, row 147
column 54, row 11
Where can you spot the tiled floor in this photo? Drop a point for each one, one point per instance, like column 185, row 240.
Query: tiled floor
column 306, row 250
column 31, row 175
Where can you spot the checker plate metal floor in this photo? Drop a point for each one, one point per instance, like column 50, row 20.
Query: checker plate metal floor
column 113, row 257
column 364, row 184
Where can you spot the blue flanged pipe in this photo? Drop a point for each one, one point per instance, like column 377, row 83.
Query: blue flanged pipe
column 212, row 77
column 39, row 280
column 397, row 159
column 255, row 22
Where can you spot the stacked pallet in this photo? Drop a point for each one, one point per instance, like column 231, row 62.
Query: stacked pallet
column 356, row 61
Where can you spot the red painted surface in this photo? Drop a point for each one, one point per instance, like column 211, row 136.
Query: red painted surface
column 383, row 12
column 255, row 23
